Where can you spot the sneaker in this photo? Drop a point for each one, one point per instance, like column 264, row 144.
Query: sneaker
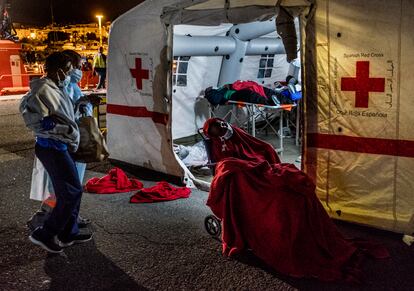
column 75, row 239
column 38, row 238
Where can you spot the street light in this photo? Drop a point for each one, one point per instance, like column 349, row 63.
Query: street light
column 100, row 28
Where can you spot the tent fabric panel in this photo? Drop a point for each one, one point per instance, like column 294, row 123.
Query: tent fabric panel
column 352, row 182
column 141, row 142
column 208, row 5
column 373, row 206
column 357, row 55
column 201, row 30
column 323, row 83
column 189, row 110
column 404, row 187
column 214, row 12
column 148, row 8
column 187, row 106
column 220, row 4
column 368, row 218
column 174, row 16
column 311, row 32
column 406, row 88
column 356, row 185
column 251, row 66
column 126, row 45
column 404, row 179
column 137, row 53
column 321, row 178
column 217, row 16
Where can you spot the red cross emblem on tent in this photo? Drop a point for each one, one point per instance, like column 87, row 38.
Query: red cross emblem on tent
column 139, row 73
column 362, row 84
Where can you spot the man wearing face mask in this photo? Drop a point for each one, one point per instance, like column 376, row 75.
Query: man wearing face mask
column 49, row 112
column 72, row 89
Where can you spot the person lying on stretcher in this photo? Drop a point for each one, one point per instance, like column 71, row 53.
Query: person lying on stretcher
column 251, row 92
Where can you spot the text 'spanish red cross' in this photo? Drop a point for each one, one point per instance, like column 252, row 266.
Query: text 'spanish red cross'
column 138, row 73
column 362, row 84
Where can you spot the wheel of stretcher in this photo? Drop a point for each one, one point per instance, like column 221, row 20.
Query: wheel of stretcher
column 212, row 225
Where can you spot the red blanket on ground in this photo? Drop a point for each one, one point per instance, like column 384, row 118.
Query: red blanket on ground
column 162, row 191
column 273, row 210
column 115, row 182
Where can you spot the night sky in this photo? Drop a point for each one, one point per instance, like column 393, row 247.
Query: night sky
column 37, row 12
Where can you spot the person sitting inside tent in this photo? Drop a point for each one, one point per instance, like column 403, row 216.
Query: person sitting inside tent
column 248, row 91
column 272, row 209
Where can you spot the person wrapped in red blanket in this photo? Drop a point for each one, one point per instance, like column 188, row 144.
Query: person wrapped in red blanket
column 272, row 209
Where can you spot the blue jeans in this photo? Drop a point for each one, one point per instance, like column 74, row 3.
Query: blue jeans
column 68, row 190
column 81, row 167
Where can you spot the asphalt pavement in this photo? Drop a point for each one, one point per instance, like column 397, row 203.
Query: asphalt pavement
column 160, row 246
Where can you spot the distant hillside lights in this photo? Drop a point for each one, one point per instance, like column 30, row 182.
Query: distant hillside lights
column 81, row 33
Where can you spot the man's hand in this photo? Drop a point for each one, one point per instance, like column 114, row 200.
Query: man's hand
column 48, row 123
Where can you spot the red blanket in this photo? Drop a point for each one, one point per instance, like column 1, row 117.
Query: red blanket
column 162, row 191
column 273, row 210
column 115, row 182
column 249, row 85
column 241, row 145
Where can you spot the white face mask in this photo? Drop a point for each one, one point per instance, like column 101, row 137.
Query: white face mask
column 229, row 132
column 65, row 82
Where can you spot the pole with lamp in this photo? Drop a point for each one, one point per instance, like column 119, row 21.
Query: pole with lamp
column 100, row 28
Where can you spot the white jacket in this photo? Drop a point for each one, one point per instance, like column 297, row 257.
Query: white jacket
column 46, row 99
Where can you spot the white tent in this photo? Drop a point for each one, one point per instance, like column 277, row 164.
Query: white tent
column 358, row 145
column 139, row 62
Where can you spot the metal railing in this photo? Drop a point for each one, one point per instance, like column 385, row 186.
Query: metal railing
column 19, row 75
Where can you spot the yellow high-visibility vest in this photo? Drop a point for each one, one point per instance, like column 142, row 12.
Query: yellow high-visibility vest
column 99, row 61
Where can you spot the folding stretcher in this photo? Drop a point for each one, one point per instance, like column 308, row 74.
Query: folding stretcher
column 267, row 113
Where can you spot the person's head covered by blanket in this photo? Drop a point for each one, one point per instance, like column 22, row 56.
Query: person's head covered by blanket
column 229, row 141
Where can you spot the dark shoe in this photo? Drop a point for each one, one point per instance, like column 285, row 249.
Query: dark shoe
column 38, row 219
column 83, row 222
column 38, row 238
column 75, row 239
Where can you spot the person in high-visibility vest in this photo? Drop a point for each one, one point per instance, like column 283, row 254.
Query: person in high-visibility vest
column 99, row 67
